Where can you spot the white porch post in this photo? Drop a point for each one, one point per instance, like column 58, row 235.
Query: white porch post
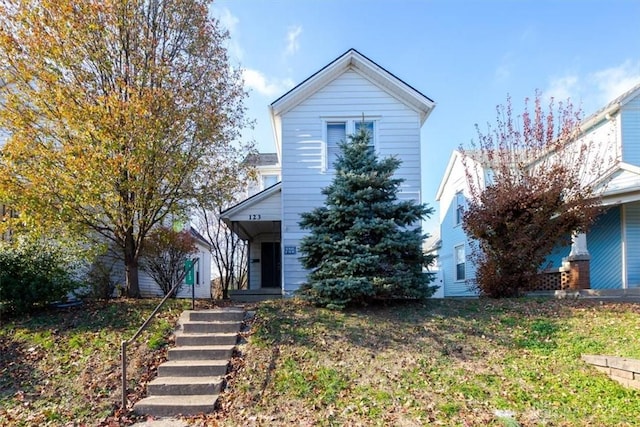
column 578, row 245
column 579, row 263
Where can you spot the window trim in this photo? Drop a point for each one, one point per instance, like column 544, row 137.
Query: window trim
column 350, row 128
column 457, row 264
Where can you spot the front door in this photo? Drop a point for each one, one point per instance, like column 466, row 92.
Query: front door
column 271, row 265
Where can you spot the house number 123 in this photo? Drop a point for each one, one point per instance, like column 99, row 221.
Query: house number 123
column 254, row 217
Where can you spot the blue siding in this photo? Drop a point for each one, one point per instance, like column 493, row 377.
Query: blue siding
column 554, row 260
column 630, row 127
column 632, row 234
column 453, row 235
column 605, row 246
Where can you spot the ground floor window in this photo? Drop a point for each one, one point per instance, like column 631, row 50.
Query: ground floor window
column 460, row 262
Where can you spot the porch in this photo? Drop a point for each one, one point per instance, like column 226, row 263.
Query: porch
column 257, row 220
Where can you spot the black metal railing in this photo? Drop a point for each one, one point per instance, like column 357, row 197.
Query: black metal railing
column 125, row 343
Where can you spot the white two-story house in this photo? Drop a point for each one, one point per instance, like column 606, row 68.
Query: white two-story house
column 612, row 246
column 308, row 123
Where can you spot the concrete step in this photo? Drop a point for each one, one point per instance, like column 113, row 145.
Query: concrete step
column 255, row 295
column 216, row 315
column 223, row 338
column 193, row 368
column 203, row 352
column 180, row 386
column 190, row 381
column 211, row 327
column 167, row 406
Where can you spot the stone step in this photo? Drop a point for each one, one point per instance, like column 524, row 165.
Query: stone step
column 211, row 327
column 204, row 352
column 222, row 338
column 193, row 368
column 216, row 315
column 167, row 406
column 180, row 386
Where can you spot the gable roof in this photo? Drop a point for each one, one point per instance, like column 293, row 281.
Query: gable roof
column 251, row 201
column 350, row 60
column 262, row 159
column 610, row 109
column 199, row 237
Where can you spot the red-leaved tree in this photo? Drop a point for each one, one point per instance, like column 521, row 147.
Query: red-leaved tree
column 531, row 185
column 164, row 256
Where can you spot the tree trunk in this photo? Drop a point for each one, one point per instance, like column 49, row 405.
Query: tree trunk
column 131, row 267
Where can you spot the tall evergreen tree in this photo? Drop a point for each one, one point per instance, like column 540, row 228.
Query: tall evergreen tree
column 364, row 244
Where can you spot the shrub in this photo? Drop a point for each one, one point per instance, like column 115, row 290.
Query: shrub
column 32, row 275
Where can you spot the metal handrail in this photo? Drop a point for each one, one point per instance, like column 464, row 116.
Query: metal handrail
column 125, row 343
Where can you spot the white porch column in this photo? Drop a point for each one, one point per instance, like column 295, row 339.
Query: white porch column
column 578, row 246
column 579, row 263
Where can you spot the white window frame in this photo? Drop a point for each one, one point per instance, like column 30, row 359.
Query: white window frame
column 456, row 262
column 350, row 129
column 264, row 178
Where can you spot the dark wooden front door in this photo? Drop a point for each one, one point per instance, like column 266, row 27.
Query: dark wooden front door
column 271, row 265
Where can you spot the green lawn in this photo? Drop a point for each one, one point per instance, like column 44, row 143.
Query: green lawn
column 452, row 362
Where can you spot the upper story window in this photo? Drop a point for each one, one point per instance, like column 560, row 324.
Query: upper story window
column 460, row 202
column 337, row 132
column 269, row 180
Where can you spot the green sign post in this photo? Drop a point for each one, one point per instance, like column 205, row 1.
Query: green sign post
column 189, row 279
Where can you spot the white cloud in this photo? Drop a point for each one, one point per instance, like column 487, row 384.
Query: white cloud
column 292, row 40
column 614, row 81
column 254, row 79
column 561, row 88
column 229, row 22
column 596, row 89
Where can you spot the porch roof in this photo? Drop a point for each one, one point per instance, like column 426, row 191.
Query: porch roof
column 257, row 214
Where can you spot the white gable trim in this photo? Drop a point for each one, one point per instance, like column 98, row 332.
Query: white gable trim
column 252, row 201
column 350, row 60
column 447, row 173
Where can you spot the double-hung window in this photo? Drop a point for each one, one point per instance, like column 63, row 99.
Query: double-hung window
column 337, row 131
column 460, row 262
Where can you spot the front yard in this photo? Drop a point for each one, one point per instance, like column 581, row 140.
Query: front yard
column 448, row 362
column 451, row 362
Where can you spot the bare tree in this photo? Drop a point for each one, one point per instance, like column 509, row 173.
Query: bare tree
column 228, row 253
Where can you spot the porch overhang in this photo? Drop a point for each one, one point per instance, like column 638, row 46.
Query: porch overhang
column 259, row 215
column 621, row 185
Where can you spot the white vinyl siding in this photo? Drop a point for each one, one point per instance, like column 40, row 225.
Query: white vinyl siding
column 306, row 152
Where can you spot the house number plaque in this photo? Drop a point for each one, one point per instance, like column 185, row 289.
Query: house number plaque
column 289, row 250
column 254, row 217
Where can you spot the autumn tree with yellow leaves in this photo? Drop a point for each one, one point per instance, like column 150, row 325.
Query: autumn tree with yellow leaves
column 120, row 114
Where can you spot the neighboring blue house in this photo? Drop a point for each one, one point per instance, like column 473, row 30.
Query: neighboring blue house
column 308, row 122
column 613, row 243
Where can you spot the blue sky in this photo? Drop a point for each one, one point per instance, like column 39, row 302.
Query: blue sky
column 465, row 55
